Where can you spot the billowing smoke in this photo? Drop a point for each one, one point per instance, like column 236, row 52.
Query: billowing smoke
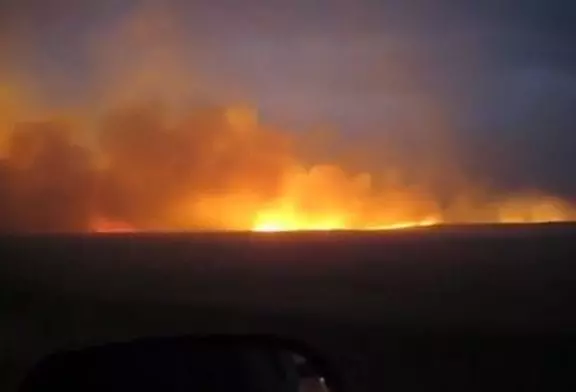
column 138, row 170
column 213, row 168
column 148, row 154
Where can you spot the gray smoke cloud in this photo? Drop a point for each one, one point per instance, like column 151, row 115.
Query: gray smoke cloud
column 109, row 109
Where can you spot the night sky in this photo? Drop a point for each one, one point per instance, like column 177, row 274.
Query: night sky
column 497, row 77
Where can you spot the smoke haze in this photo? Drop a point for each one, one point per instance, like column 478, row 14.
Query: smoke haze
column 151, row 142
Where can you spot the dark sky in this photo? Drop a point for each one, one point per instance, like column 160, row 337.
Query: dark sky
column 499, row 74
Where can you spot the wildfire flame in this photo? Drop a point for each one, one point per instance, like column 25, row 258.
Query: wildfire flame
column 139, row 165
column 218, row 170
column 101, row 225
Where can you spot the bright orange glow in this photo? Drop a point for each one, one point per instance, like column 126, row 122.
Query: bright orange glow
column 269, row 190
column 280, row 223
column 149, row 155
column 271, row 222
column 325, row 199
column 407, row 225
column 109, row 226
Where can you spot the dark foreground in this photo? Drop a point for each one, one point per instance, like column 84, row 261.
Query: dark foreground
column 360, row 297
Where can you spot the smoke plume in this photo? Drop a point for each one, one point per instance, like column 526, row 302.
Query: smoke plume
column 149, row 153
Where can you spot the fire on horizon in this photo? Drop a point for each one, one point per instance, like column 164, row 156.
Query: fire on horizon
column 138, row 162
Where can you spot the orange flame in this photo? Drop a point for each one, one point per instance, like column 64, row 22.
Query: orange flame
column 102, row 225
column 273, row 192
column 159, row 166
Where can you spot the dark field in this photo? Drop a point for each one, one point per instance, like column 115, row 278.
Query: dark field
column 359, row 297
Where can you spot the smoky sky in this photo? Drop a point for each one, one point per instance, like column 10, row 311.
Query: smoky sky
column 501, row 75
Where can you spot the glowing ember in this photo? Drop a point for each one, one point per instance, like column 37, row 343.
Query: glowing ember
column 407, row 225
column 291, row 224
column 109, row 226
